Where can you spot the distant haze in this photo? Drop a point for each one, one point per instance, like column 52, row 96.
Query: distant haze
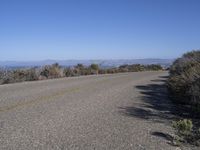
column 102, row 63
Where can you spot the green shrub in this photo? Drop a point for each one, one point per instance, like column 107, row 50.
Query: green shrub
column 154, row 67
column 186, row 132
column 94, row 68
column 183, row 127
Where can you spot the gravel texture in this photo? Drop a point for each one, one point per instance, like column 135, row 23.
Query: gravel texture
column 120, row 112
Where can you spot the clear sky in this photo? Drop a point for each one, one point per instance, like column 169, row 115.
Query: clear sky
column 98, row 29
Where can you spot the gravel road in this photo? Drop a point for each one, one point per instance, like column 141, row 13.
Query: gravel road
column 119, row 112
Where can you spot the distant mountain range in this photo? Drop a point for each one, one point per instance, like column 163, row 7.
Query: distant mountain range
column 102, row 63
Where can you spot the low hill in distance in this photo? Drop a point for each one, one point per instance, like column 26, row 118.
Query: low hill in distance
column 103, row 63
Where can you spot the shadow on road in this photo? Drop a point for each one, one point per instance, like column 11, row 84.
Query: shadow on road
column 155, row 104
column 163, row 135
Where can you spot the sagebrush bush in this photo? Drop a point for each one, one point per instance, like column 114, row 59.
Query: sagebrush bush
column 51, row 71
column 5, row 77
column 68, row 72
column 18, row 75
column 184, row 79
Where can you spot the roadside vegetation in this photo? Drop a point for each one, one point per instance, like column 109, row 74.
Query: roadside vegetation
column 186, row 132
column 57, row 71
column 184, row 80
column 184, row 88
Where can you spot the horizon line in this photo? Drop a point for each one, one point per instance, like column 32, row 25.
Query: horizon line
column 81, row 59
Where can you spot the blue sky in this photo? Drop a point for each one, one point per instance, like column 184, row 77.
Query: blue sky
column 98, row 29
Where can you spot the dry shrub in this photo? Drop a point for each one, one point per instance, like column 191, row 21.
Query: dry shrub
column 184, row 79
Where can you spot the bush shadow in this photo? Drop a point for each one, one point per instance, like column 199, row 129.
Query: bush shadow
column 155, row 103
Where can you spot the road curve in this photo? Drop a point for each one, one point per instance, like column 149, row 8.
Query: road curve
column 90, row 112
